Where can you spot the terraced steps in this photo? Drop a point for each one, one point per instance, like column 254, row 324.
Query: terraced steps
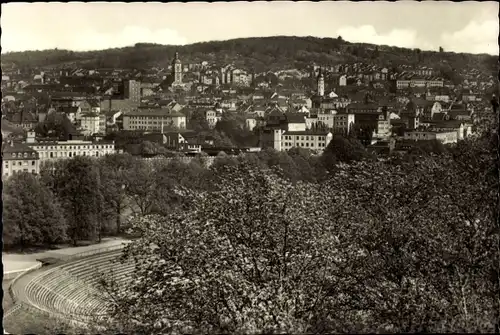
column 72, row 289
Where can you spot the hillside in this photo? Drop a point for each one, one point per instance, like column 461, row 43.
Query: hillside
column 258, row 54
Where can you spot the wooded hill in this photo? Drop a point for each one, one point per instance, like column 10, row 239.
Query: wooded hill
column 257, row 54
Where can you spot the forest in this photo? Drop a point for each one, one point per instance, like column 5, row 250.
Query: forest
column 255, row 54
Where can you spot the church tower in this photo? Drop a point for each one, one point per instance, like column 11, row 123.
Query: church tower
column 321, row 84
column 177, row 70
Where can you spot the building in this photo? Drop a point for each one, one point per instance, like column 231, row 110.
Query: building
column 153, row 119
column 444, row 136
column 281, row 140
column 418, row 82
column 177, row 70
column 90, row 124
column 18, row 157
column 321, row 84
column 132, row 90
column 343, row 123
column 52, row 150
column 313, row 140
column 212, row 118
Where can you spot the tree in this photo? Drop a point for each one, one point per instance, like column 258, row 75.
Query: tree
column 441, row 49
column 341, row 149
column 113, row 169
column 237, row 259
column 140, row 185
column 31, row 214
column 76, row 182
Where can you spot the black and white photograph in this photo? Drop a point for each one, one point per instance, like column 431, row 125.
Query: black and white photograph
column 272, row 167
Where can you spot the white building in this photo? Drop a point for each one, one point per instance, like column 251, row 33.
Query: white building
column 444, row 136
column 212, row 118
column 153, row 119
column 89, row 123
column 312, row 140
column 51, row 150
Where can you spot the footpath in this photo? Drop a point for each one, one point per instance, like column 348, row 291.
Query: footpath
column 15, row 263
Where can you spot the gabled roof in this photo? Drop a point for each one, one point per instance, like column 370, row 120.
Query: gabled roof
column 10, row 148
column 295, row 117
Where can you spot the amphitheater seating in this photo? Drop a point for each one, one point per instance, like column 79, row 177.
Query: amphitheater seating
column 72, row 289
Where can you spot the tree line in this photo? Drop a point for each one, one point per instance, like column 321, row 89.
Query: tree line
column 83, row 199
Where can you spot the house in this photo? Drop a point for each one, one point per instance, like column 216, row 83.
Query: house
column 295, row 121
column 153, row 119
column 343, row 123
column 212, row 118
column 250, row 123
column 182, row 141
column 18, row 157
column 313, row 140
column 90, row 106
column 90, row 124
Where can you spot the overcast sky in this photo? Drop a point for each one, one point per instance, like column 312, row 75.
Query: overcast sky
column 462, row 27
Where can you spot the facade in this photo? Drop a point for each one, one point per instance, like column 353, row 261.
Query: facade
column 212, row 118
column 343, row 123
column 444, row 136
column 53, row 150
column 418, row 82
column 153, row 119
column 312, row 140
column 18, row 157
column 90, row 124
column 132, row 90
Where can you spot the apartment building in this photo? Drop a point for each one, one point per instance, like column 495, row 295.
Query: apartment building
column 18, row 157
column 51, row 150
column 153, row 119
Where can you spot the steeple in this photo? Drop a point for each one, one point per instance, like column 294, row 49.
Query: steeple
column 321, row 83
column 177, row 69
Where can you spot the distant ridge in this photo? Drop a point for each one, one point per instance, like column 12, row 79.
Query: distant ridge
column 258, row 54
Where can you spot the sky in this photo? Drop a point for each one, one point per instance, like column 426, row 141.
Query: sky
column 470, row 27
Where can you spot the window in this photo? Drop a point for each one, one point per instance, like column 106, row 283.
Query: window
column 13, row 155
column 19, row 163
column 32, row 162
column 51, row 155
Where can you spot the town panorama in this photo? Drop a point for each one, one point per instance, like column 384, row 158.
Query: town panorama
column 250, row 186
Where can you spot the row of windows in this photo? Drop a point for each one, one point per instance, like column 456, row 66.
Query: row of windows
column 289, row 137
column 76, row 147
column 150, row 122
column 149, row 117
column 71, row 154
column 306, row 145
column 25, row 155
column 19, row 163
